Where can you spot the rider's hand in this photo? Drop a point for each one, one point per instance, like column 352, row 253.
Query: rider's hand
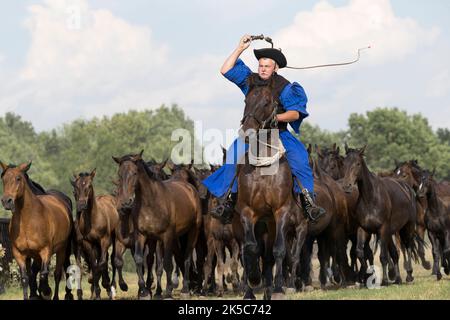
column 245, row 42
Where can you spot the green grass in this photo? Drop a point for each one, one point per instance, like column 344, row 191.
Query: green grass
column 425, row 287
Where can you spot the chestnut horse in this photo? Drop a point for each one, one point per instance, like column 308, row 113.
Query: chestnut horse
column 168, row 211
column 41, row 226
column 96, row 223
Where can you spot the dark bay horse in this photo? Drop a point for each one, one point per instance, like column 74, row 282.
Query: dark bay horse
column 332, row 162
column 437, row 220
column 266, row 202
column 41, row 226
column 96, row 223
column 385, row 206
column 168, row 211
column 411, row 173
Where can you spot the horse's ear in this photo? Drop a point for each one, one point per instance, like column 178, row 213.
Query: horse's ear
column 72, row 182
column 318, row 151
column 4, row 166
column 191, row 164
column 24, row 167
column 170, row 165
column 93, row 173
column 117, row 160
column 362, row 150
column 163, row 164
column 140, row 154
column 346, row 148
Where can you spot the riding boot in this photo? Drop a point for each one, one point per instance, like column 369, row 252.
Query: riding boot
column 225, row 208
column 312, row 211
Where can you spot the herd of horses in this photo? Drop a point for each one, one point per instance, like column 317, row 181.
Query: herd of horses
column 164, row 218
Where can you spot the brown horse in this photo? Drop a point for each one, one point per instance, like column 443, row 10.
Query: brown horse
column 41, row 226
column 96, row 223
column 385, row 206
column 266, row 202
column 168, row 211
column 411, row 173
column 332, row 162
column 437, row 220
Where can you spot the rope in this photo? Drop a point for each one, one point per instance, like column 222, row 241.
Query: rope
column 267, row 161
column 332, row 64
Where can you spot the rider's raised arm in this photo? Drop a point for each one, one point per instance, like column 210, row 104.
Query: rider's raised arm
column 229, row 63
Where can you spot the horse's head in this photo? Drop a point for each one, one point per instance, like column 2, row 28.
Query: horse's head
column 14, row 182
column 158, row 168
column 83, row 189
column 426, row 183
column 260, row 110
column 128, row 179
column 354, row 165
column 331, row 161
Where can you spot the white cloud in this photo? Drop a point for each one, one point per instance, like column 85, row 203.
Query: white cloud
column 331, row 34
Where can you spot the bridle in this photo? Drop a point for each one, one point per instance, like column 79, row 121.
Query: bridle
column 271, row 120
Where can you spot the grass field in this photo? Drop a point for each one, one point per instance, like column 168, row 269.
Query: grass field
column 424, row 287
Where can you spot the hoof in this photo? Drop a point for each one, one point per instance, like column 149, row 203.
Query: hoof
column 46, row 294
column 144, row 295
column 399, row 281
column 308, row 289
column 290, row 290
column 123, row 286
column 409, row 279
column 185, row 296
column 157, row 297
column 68, row 296
column 278, row 296
column 439, row 277
column 147, row 297
column 426, row 265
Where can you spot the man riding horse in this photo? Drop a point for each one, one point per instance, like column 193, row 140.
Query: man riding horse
column 292, row 101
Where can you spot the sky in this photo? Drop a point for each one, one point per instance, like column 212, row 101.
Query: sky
column 62, row 60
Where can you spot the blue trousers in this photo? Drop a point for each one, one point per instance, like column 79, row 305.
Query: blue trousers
column 219, row 182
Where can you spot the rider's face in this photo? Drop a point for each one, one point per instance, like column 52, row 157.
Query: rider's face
column 266, row 68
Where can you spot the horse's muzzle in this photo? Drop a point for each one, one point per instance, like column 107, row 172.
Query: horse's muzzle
column 81, row 206
column 126, row 205
column 348, row 188
column 8, row 203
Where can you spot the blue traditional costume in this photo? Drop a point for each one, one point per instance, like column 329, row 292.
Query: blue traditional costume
column 291, row 97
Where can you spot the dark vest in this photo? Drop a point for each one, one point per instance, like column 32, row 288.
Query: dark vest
column 278, row 85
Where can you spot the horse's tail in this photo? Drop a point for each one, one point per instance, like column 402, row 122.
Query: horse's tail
column 375, row 244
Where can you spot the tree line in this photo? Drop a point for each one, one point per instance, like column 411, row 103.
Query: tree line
column 391, row 135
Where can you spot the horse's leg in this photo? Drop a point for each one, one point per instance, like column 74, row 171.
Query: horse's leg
column 159, row 267
column 34, row 267
column 59, row 268
column 118, row 262
column 21, row 261
column 362, row 237
column 420, row 246
column 105, row 242
column 78, row 253
column 323, row 257
column 66, row 264
column 279, row 248
column 235, row 264
column 91, row 251
column 436, row 254
column 386, row 246
column 301, row 231
column 219, row 248
column 353, row 254
column 207, row 267
column 407, row 234
column 168, row 266
column 141, row 240
column 190, row 245
column 112, row 284
column 44, row 288
column 251, row 263
column 394, row 255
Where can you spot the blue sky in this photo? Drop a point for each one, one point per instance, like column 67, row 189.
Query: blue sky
column 139, row 54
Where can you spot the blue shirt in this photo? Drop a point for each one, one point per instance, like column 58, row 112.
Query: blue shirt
column 293, row 96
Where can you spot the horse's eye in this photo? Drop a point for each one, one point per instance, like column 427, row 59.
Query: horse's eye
column 18, row 178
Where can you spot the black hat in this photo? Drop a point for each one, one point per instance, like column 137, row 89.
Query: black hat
column 272, row 53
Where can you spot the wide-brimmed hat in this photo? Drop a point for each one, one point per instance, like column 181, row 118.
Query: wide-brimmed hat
column 271, row 53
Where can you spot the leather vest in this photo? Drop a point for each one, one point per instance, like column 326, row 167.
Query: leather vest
column 279, row 83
